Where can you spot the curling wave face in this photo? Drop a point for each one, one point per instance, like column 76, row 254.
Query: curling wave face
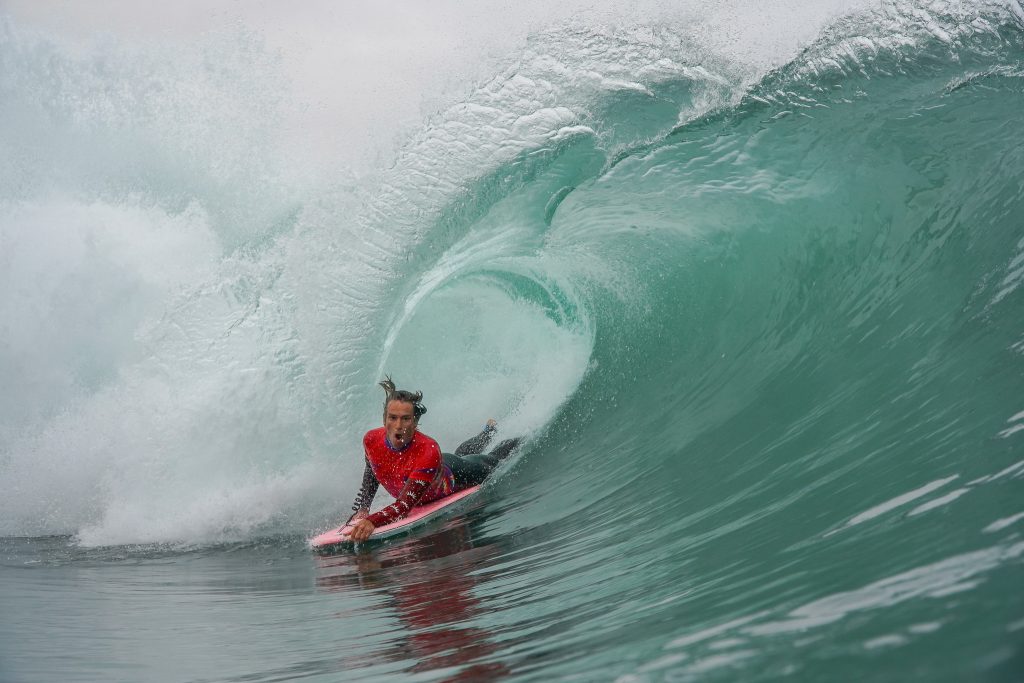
column 763, row 325
column 765, row 308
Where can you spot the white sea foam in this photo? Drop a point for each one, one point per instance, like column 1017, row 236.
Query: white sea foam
column 200, row 303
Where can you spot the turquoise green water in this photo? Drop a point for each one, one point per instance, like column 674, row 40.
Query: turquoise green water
column 765, row 335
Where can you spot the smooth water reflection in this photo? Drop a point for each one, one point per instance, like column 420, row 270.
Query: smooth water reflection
column 430, row 587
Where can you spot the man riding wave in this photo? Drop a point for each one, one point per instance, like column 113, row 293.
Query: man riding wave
column 410, row 464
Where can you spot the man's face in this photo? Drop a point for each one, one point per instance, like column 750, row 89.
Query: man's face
column 400, row 423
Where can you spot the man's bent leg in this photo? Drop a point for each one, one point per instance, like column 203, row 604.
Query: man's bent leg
column 471, row 470
column 505, row 448
column 476, row 444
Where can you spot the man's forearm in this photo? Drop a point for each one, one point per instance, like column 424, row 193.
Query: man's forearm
column 407, row 499
column 367, row 491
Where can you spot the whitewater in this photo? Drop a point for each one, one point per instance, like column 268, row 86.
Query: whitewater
column 749, row 283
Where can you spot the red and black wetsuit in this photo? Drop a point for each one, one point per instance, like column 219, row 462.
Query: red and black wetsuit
column 414, row 475
column 420, row 473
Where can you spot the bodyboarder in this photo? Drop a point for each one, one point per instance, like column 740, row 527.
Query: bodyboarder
column 410, row 464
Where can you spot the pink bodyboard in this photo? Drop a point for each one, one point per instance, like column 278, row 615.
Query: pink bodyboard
column 420, row 513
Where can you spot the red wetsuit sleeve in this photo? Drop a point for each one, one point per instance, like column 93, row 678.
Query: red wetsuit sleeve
column 407, row 499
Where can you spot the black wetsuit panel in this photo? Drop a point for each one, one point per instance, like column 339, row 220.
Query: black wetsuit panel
column 469, row 466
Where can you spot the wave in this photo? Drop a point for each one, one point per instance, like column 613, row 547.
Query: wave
column 774, row 287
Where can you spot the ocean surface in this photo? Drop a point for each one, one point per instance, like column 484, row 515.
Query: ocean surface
column 760, row 320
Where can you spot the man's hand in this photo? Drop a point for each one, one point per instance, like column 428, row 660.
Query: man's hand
column 361, row 530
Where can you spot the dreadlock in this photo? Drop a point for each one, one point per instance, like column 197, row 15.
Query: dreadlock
column 393, row 394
